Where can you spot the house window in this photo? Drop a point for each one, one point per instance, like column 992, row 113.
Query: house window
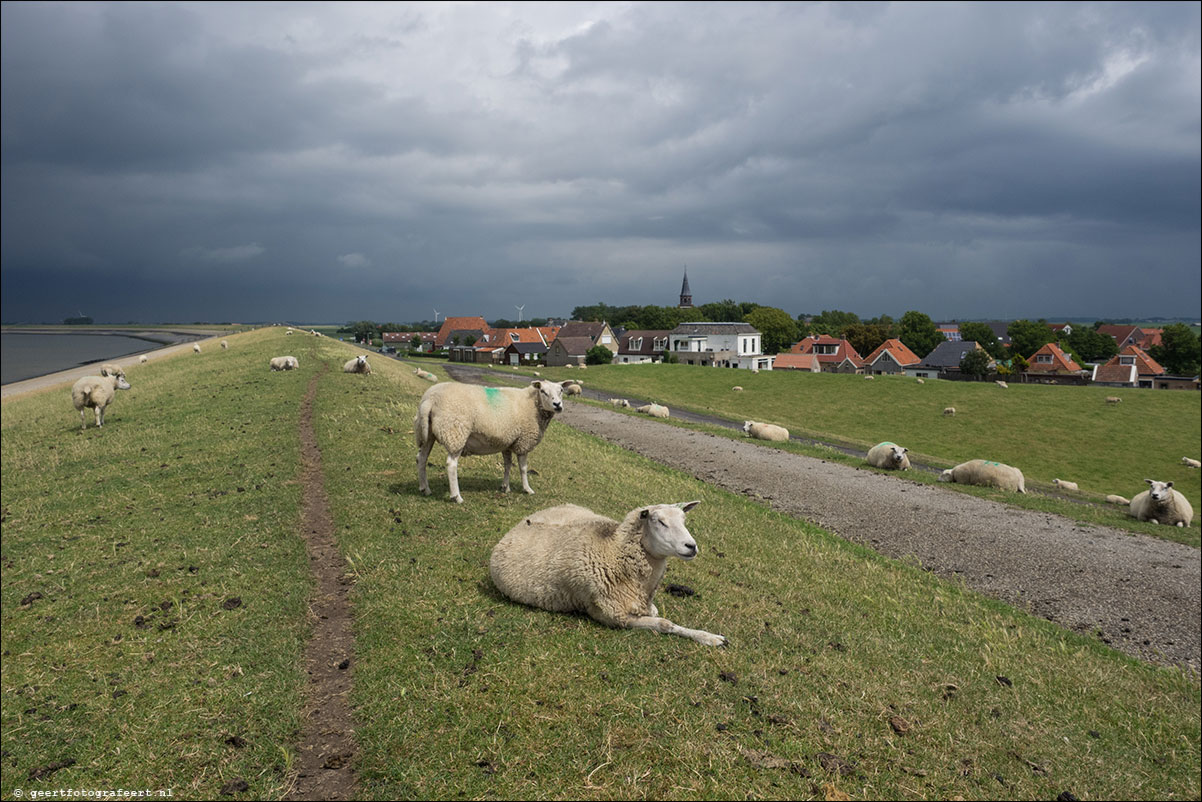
column 1045, row 359
column 513, row 335
column 636, row 344
column 605, row 339
column 1126, row 360
column 661, row 343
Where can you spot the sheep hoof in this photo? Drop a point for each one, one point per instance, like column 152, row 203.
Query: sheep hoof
column 425, row 491
column 528, row 491
column 457, row 499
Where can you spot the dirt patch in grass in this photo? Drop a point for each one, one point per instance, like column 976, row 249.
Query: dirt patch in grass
column 327, row 746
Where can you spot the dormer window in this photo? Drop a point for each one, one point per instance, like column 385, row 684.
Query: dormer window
column 636, row 344
column 513, row 335
column 1045, row 359
column 1126, row 360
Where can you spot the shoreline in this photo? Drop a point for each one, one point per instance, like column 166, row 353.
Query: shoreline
column 170, row 341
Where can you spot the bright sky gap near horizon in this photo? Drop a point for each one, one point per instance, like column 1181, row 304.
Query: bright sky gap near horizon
column 329, row 162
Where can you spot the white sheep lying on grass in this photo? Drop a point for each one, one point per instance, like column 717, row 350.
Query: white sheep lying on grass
column 1161, row 504
column 225, row 344
column 1111, row 399
column 766, row 431
column 196, row 348
column 949, row 412
column 986, row 474
column 96, row 392
column 1113, row 499
column 470, row 420
column 357, row 365
column 425, row 374
column 569, row 559
column 1193, row 463
column 573, row 389
column 143, row 359
column 920, row 381
column 284, row 363
column 110, row 369
column 654, row 410
column 620, row 402
column 890, row 456
column 737, row 388
column 1065, row 485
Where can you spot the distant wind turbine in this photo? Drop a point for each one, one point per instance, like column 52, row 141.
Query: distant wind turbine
column 520, row 308
column 435, row 315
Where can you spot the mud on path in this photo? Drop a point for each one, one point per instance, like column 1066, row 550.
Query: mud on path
column 327, row 746
column 1139, row 594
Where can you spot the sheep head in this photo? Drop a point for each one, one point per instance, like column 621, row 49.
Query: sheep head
column 664, row 532
column 1160, row 491
column 550, row 396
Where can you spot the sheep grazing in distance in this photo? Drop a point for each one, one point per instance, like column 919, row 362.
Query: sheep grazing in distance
column 572, row 389
column 1065, row 485
column 225, row 344
column 890, row 456
column 986, row 474
column 284, row 363
column 766, row 431
column 357, row 365
column 96, row 392
column 288, row 332
column 949, row 412
column 869, row 376
column 737, row 389
column 1002, row 384
column 569, row 559
column 470, row 420
column 425, row 374
column 1113, row 499
column 1193, row 463
column 143, row 359
column 920, row 381
column 654, row 410
column 196, row 348
column 620, row 402
column 1110, row 399
column 110, row 369
column 1161, row 504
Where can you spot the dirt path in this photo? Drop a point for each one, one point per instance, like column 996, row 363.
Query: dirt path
column 327, row 745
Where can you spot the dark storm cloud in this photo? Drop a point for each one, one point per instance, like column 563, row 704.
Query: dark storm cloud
column 327, row 162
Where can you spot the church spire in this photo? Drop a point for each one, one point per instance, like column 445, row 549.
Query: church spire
column 686, row 296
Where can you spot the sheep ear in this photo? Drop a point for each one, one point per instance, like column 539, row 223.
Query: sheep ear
column 1149, row 481
column 536, row 383
column 688, row 505
column 1168, row 484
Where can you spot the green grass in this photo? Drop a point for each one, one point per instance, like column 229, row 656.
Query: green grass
column 1047, row 431
column 460, row 693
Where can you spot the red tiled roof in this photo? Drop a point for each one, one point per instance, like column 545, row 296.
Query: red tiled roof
column 1061, row 363
column 452, row 324
column 1144, row 365
column 843, row 350
column 897, row 349
column 1115, row 373
column 791, row 361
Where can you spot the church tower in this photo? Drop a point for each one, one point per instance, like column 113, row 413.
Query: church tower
column 686, row 297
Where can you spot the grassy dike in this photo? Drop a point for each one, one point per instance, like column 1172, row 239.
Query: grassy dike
column 847, row 672
column 163, row 651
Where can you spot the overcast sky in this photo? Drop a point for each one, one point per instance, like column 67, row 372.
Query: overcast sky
column 322, row 163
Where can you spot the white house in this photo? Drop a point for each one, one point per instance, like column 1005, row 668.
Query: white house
column 726, row 345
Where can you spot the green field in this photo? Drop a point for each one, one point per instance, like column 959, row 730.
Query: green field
column 1047, row 431
column 847, row 673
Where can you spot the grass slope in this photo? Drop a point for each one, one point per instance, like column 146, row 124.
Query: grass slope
column 1048, row 431
column 847, row 673
column 461, row 693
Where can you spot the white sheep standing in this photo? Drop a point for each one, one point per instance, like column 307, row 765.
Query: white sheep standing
column 1113, row 499
column 143, row 359
column 470, row 420
column 654, row 410
column 890, row 456
column 96, row 392
column 987, row 474
column 949, row 412
column 1002, row 384
column 225, row 344
column 766, row 431
column 284, row 363
column 1161, row 504
column 1065, row 485
column 569, row 559
column 1193, row 463
column 196, row 348
column 357, row 365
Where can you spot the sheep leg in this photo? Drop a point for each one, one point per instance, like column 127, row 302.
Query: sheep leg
column 99, row 416
column 423, row 456
column 666, row 627
column 453, row 476
column 525, row 480
column 508, row 457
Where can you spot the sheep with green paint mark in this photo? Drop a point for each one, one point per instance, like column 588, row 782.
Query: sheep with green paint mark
column 470, row 420
column 890, row 456
column 986, row 473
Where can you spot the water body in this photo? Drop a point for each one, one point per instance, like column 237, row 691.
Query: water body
column 24, row 356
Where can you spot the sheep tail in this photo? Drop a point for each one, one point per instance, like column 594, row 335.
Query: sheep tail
column 421, row 424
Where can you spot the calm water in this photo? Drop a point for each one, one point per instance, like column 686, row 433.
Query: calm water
column 23, row 356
